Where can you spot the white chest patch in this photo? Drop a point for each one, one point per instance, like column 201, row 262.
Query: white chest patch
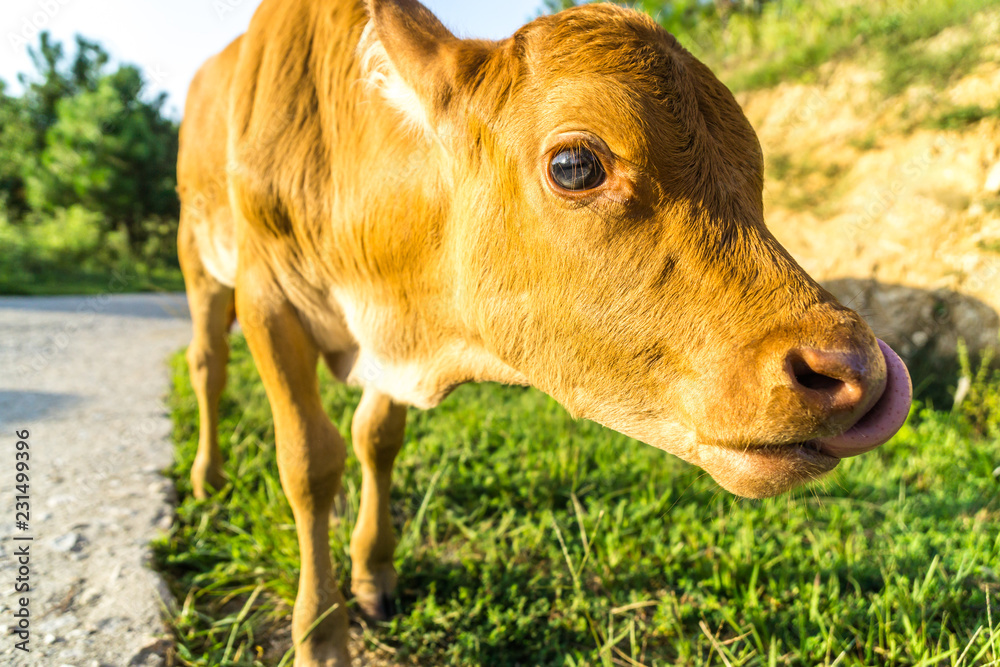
column 405, row 383
column 419, row 377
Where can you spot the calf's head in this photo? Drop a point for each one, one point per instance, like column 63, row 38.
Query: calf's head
column 606, row 226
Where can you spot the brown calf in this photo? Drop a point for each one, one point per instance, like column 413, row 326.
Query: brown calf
column 577, row 208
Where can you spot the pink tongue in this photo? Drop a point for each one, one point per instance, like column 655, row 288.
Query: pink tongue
column 883, row 420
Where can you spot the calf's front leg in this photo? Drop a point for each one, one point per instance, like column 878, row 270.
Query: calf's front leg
column 377, row 434
column 211, row 305
column 311, row 457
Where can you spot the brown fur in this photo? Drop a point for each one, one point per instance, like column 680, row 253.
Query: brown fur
column 385, row 207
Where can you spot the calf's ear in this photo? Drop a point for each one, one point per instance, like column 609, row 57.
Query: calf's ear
column 417, row 63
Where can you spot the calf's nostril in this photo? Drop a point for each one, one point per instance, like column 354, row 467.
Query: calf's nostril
column 827, row 377
column 818, row 381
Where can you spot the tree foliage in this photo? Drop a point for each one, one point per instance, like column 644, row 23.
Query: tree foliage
column 86, row 134
column 16, row 142
column 111, row 152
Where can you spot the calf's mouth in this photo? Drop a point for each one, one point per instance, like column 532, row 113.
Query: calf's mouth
column 882, row 420
column 767, row 469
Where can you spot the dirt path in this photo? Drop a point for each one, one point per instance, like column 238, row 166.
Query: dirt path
column 87, row 376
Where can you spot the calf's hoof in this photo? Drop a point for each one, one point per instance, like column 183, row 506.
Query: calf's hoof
column 377, row 606
column 206, row 479
column 325, row 657
column 376, row 596
column 376, row 593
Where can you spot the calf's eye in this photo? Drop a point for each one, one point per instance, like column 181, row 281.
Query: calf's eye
column 576, row 169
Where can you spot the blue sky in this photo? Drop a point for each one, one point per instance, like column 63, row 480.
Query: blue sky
column 170, row 39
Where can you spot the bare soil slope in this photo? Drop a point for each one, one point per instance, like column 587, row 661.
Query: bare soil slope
column 893, row 200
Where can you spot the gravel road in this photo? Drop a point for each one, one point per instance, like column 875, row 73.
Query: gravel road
column 86, row 376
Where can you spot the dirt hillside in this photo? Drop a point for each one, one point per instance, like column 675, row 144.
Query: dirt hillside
column 893, row 200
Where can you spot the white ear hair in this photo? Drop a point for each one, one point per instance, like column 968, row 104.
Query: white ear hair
column 379, row 74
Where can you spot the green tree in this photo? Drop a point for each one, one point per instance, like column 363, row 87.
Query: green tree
column 44, row 90
column 87, row 175
column 53, row 82
column 106, row 147
column 16, row 144
column 25, row 121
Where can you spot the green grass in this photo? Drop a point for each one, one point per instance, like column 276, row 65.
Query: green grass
column 528, row 538
column 961, row 117
column 71, row 252
column 59, row 279
column 791, row 39
column 993, row 245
